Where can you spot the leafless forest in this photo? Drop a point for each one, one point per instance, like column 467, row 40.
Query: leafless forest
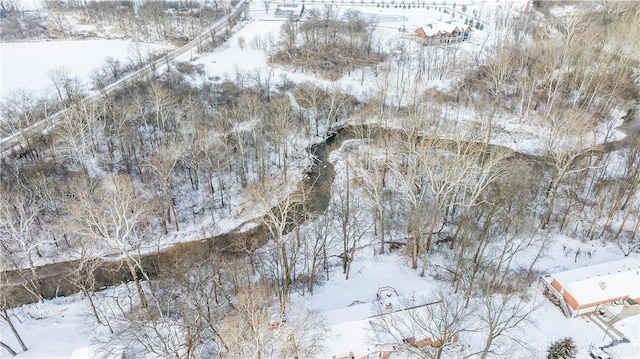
column 121, row 173
column 142, row 20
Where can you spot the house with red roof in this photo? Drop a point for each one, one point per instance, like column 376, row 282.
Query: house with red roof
column 443, row 32
column 584, row 290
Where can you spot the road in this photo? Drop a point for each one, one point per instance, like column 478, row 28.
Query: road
column 17, row 141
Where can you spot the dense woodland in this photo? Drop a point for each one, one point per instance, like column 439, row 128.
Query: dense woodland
column 120, row 173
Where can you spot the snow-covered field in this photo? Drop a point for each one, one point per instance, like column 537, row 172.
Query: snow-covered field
column 26, row 65
column 56, row 328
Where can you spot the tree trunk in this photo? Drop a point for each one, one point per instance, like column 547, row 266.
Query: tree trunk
column 382, row 229
column 35, row 280
column 432, row 226
column 8, row 348
column 92, row 304
column 413, row 235
column 7, row 319
column 136, row 280
column 552, row 202
column 353, row 253
column 487, row 346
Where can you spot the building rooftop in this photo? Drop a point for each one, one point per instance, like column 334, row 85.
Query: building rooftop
column 442, row 27
column 597, row 283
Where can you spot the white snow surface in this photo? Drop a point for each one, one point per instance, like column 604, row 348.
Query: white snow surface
column 25, row 65
column 56, row 328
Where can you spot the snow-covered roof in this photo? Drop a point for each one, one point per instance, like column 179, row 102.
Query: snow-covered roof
column 600, row 282
column 289, row 9
column 442, row 27
column 291, row 6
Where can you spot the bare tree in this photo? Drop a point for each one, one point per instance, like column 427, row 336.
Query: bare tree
column 6, row 317
column 325, row 105
column 315, row 249
column 501, row 315
column 266, row 4
column 499, row 68
column 283, row 213
column 439, row 178
column 162, row 166
column 163, row 103
column 311, row 97
column 187, row 304
column 83, row 277
column 57, row 11
column 114, row 216
column 572, row 139
column 423, row 329
column 76, row 130
column 347, row 210
column 281, row 123
column 21, row 237
column 252, row 331
column 372, row 180
column 66, row 85
column 302, row 335
column 337, row 106
column 247, row 329
column 240, row 138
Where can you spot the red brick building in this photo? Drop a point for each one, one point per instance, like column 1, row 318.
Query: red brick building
column 584, row 290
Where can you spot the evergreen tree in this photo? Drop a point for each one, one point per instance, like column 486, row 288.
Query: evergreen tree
column 562, row 349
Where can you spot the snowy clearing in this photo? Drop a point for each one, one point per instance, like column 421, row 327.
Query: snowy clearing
column 26, row 65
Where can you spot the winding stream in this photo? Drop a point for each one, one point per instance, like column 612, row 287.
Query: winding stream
column 320, row 179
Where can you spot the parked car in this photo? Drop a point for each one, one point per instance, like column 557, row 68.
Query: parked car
column 597, row 353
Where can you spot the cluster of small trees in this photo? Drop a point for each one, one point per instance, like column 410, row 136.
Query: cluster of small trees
column 17, row 24
column 461, row 211
column 22, row 109
column 329, row 43
column 205, row 307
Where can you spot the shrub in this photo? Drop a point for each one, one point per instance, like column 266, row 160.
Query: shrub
column 562, row 349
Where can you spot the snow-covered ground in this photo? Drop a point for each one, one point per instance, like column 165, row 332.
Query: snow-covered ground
column 26, row 65
column 56, row 328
